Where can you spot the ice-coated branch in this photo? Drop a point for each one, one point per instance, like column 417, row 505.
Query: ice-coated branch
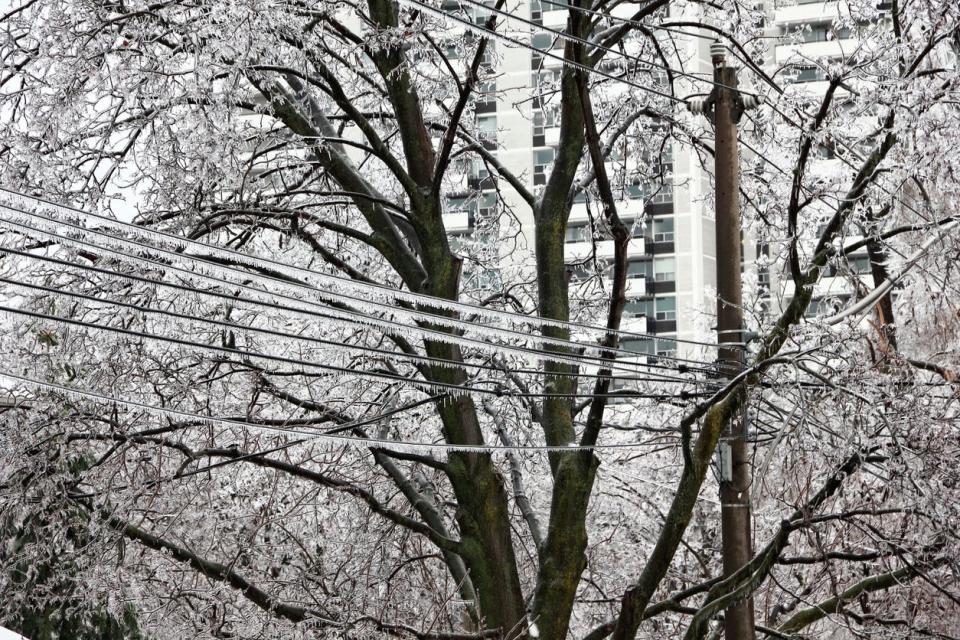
column 835, row 604
column 220, row 573
column 366, row 496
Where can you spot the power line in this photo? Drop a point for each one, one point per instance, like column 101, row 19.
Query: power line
column 428, row 385
column 337, row 312
column 296, row 337
column 363, row 287
column 387, row 444
column 364, row 321
column 454, row 322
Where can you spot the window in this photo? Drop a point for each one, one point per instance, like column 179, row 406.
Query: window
column 542, row 120
column 487, row 128
column 666, row 308
column 543, row 79
column 666, row 347
column 638, row 269
column 554, row 5
column 824, row 32
column 663, row 196
column 638, row 345
column 489, row 54
column 487, row 205
column 582, row 271
column 542, row 159
column 637, row 228
column 635, row 190
column 539, row 124
column 457, row 203
column 636, row 308
column 825, row 306
column 577, row 233
column 542, row 41
column 479, row 176
column 665, row 269
column 487, row 96
column 663, row 229
column 808, row 74
column 651, row 190
column 859, row 264
column 480, row 14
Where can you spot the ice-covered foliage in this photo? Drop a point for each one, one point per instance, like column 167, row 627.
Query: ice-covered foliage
column 265, row 388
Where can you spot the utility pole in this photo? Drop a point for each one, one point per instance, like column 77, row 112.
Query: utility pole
column 724, row 106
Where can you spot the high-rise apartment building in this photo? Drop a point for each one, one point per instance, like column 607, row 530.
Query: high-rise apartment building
column 671, row 252
column 809, row 36
column 672, row 269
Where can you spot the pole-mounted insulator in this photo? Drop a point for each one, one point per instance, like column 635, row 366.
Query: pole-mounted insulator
column 750, row 101
column 697, row 105
column 718, row 53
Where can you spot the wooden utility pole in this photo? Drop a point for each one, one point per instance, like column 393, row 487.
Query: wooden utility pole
column 726, row 105
column 735, row 481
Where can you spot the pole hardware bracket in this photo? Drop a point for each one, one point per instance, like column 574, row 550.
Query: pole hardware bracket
column 741, row 102
column 705, row 106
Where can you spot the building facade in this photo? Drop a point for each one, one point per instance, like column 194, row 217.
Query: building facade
column 672, row 267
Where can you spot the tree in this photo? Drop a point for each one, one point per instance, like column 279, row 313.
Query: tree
column 334, row 137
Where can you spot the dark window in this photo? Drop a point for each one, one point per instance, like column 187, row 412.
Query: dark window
column 639, row 269
column 808, row 74
column 638, row 307
column 638, row 345
column 663, row 230
column 577, row 233
column 542, row 158
column 666, row 308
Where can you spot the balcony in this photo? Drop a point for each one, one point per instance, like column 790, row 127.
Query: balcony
column 481, row 183
column 627, row 208
column 577, row 251
column 636, row 288
column 661, row 286
column 815, row 50
column 658, row 248
column 634, row 324
column 551, row 136
column 809, row 12
column 554, row 19
column 456, row 221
